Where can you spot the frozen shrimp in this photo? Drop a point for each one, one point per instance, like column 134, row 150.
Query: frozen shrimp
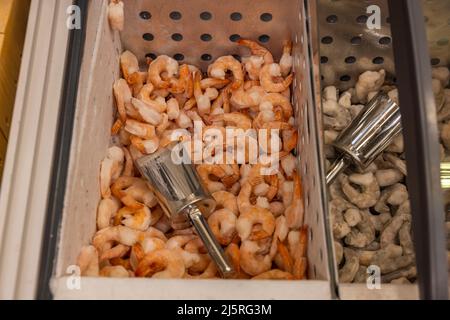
column 370, row 193
column 161, row 264
column 223, row 225
column 267, row 75
column 250, row 218
column 107, row 208
column 295, row 212
column 88, row 261
column 162, row 64
column 254, row 257
column 219, row 68
column 257, row 50
column 286, row 60
column 226, row 200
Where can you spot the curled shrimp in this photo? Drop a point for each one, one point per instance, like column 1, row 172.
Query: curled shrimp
column 116, row 252
column 139, row 219
column 253, row 66
column 123, row 97
column 274, row 274
column 267, row 75
column 161, row 264
column 184, row 83
column 286, row 60
column 207, row 170
column 252, row 217
column 213, row 83
column 107, row 208
column 370, row 193
column 88, row 261
column 295, row 212
column 243, row 99
column 114, row 272
column 133, row 192
column 257, row 50
column 162, row 64
column 226, row 200
column 147, row 146
column 223, row 225
column 178, row 243
column 235, row 119
column 130, row 70
column 145, row 95
column 219, row 68
column 110, row 170
column 278, row 100
column 254, row 257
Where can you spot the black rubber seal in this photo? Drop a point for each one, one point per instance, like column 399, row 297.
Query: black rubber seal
column 62, row 154
column 419, row 123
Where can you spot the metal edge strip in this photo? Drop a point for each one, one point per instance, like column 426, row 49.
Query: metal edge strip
column 62, row 153
column 419, row 122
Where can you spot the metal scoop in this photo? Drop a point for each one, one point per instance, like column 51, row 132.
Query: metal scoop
column 367, row 136
column 183, row 198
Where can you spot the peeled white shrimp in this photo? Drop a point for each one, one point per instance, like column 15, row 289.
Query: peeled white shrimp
column 226, row 200
column 107, row 208
column 254, row 257
column 370, row 189
column 161, row 264
column 160, row 65
column 116, row 15
column 369, row 81
column 219, row 68
column 252, row 216
column 267, row 75
column 88, row 261
column 286, row 61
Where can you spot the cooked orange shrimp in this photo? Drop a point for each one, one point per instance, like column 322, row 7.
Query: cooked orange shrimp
column 280, row 234
column 116, row 252
column 203, row 101
column 219, row 68
column 107, row 208
column 274, row 274
column 128, row 170
column 213, row 83
column 164, row 125
column 139, row 219
column 254, row 259
column 162, row 264
column 300, row 260
column 114, row 272
column 257, row 50
column 223, row 225
column 149, row 114
column 247, row 98
column 123, row 97
column 183, row 121
column 148, row 146
column 116, row 15
column 88, row 261
column 130, row 188
column 145, row 95
column 295, row 212
column 226, row 200
column 130, row 70
column 286, row 60
column 142, row 130
column 277, row 208
column 209, row 273
column 207, row 170
column 233, row 253
column 173, row 109
column 290, row 139
column 255, row 216
column 163, row 224
column 267, row 75
column 253, row 66
column 277, row 99
column 182, row 84
column 162, row 64
column 235, row 119
column 110, row 170
column 124, row 235
column 289, row 164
